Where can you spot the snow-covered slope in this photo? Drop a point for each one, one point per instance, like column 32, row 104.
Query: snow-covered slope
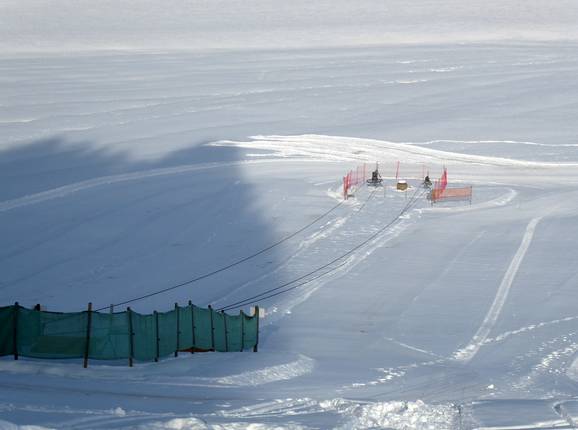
column 62, row 25
column 127, row 173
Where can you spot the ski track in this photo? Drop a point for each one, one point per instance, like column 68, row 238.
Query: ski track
column 469, row 351
column 397, row 372
column 282, row 372
column 502, row 337
column 67, row 190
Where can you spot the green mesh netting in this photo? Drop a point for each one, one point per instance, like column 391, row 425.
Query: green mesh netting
column 7, row 330
column 234, row 332
column 63, row 335
column 251, row 331
column 51, row 334
column 145, row 335
column 219, row 331
column 203, row 328
column 109, row 336
column 185, row 328
column 167, row 333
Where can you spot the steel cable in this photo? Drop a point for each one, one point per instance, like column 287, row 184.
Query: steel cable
column 260, row 296
column 235, row 263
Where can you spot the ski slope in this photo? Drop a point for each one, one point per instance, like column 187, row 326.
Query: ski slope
column 127, row 173
column 64, row 26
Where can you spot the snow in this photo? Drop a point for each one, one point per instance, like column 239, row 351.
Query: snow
column 55, row 25
column 126, row 171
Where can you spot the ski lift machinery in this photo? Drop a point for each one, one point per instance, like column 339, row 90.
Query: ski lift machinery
column 376, row 178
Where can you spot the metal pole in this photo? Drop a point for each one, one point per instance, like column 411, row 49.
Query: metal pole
column 130, row 337
column 178, row 330
column 87, row 344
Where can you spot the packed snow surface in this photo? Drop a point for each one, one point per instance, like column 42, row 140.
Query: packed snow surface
column 57, row 25
column 126, row 173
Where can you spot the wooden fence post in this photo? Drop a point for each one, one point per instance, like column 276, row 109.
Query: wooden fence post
column 193, row 326
column 242, row 329
column 178, row 330
column 212, row 329
column 226, row 333
column 256, row 347
column 88, row 327
column 15, row 330
column 158, row 339
column 130, row 337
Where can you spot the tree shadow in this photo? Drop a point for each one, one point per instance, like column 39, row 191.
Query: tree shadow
column 148, row 226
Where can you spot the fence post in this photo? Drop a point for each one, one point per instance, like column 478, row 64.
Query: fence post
column 88, row 326
column 242, row 329
column 158, row 339
column 212, row 329
column 130, row 337
column 256, row 347
column 193, row 326
column 226, row 334
column 15, row 330
column 178, row 330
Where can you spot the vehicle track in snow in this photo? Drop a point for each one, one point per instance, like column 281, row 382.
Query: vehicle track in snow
column 76, row 187
column 469, row 351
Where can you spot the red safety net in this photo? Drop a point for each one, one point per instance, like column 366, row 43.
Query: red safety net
column 353, row 179
column 462, row 193
column 441, row 192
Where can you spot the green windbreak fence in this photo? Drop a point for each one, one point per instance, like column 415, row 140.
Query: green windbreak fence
column 124, row 335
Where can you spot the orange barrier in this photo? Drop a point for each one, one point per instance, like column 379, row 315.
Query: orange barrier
column 441, row 194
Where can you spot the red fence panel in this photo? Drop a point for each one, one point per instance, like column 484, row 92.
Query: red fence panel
column 353, row 179
column 440, row 194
